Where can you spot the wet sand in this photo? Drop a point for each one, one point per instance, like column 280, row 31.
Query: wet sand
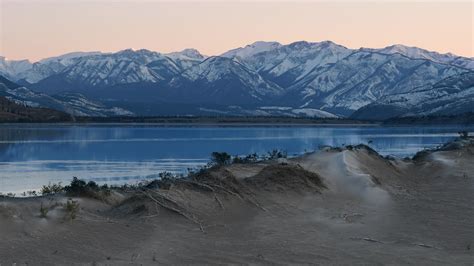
column 334, row 206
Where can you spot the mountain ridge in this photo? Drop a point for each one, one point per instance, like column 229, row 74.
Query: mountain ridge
column 324, row 77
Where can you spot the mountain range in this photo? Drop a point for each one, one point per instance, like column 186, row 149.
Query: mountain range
column 320, row 79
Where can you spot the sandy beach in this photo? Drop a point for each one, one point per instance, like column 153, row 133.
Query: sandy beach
column 334, row 206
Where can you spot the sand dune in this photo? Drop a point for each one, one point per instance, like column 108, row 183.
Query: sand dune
column 334, row 206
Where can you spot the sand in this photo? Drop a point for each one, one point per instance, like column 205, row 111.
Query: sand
column 334, row 206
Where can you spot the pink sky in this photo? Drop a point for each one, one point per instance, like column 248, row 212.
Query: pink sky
column 37, row 29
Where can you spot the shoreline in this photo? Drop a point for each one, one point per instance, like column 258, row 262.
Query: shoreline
column 132, row 180
column 466, row 119
column 333, row 206
column 243, row 124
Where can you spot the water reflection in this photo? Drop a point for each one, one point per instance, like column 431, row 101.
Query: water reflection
column 33, row 155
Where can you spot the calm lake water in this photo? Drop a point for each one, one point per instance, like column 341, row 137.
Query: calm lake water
column 34, row 155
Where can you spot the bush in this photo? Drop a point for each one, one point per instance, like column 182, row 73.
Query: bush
column 251, row 158
column 463, row 134
column 79, row 188
column 72, row 208
column 51, row 189
column 31, row 193
column 276, row 154
column 43, row 211
column 166, row 179
column 76, row 188
column 220, row 158
column 237, row 159
column 166, row 175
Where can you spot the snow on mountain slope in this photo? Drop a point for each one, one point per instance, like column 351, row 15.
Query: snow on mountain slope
column 418, row 53
column 453, row 95
column 13, row 68
column 307, row 56
column 244, row 53
column 223, row 80
column 269, row 111
column 124, row 67
column 78, row 105
column 33, row 72
column 68, row 59
column 286, row 64
column 74, row 104
column 364, row 77
column 109, row 71
column 321, row 76
column 290, row 111
column 103, row 70
column 186, row 58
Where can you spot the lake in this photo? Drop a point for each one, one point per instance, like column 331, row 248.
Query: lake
column 32, row 155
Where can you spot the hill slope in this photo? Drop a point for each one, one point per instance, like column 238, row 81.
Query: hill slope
column 13, row 112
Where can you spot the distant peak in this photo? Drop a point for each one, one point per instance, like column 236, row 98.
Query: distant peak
column 305, row 44
column 299, row 44
column 400, row 47
column 128, row 50
column 144, row 51
column 263, row 43
column 252, row 49
column 70, row 56
column 4, row 59
column 189, row 53
column 412, row 51
column 328, row 43
column 131, row 51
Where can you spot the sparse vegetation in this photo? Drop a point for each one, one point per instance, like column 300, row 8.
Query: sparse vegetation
column 164, row 182
column 220, row 158
column 72, row 208
column 463, row 134
column 8, row 195
column 81, row 188
column 43, row 211
column 251, row 158
column 276, row 154
column 51, row 189
column 30, row 193
column 166, row 175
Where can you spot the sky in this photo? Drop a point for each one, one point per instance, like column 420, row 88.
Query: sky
column 36, row 29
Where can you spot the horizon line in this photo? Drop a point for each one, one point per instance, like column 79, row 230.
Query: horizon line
column 220, row 54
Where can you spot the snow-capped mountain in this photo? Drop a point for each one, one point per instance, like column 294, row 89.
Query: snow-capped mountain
column 418, row 53
column 251, row 50
column 320, row 79
column 14, row 68
column 451, row 96
column 121, row 68
column 102, row 70
column 186, row 58
column 286, row 64
column 221, row 80
column 69, row 58
column 362, row 78
column 71, row 103
column 27, row 72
